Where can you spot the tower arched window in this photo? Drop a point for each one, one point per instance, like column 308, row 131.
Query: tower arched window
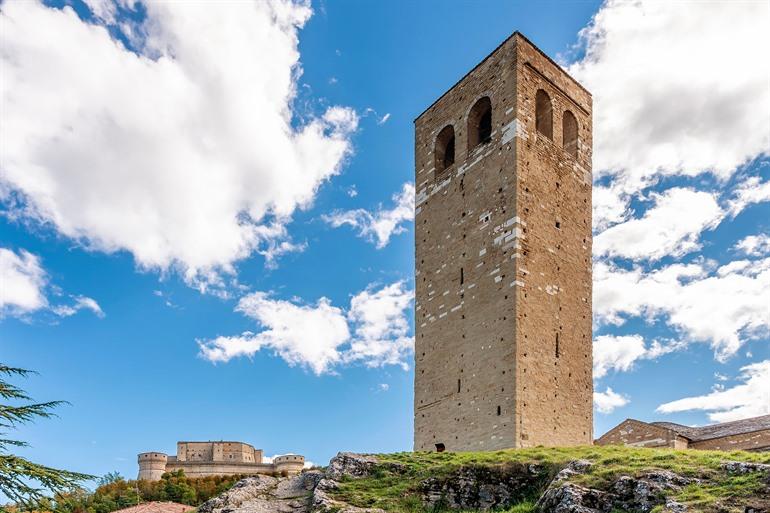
column 445, row 148
column 480, row 123
column 569, row 133
column 544, row 114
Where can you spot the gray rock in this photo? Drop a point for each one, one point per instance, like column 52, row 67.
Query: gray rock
column 348, row 464
column 743, row 467
column 649, row 490
column 266, row 494
column 484, row 487
column 572, row 498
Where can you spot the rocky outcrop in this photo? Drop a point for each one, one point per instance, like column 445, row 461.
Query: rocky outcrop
column 639, row 494
column 266, row 494
column 745, row 467
column 471, row 487
column 484, row 487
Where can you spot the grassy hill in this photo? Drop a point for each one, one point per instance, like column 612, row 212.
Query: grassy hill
column 398, row 481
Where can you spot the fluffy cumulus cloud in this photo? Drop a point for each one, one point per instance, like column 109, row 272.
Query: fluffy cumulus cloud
column 749, row 191
column 661, row 105
column 22, row 279
column 183, row 149
column 374, row 331
column 750, row 398
column 23, row 288
column 671, row 227
column 620, row 352
column 378, row 226
column 609, row 400
column 723, row 306
column 754, row 245
column 381, row 326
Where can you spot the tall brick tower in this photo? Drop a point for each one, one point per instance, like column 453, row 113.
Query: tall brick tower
column 503, row 258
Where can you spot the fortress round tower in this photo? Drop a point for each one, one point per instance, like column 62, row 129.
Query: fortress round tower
column 290, row 464
column 152, row 465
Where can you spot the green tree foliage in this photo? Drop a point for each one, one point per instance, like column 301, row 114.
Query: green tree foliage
column 114, row 493
column 21, row 480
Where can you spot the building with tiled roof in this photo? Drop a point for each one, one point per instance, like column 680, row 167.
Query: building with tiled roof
column 751, row 434
column 157, row 507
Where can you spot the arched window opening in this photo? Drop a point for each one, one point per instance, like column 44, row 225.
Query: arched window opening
column 569, row 133
column 544, row 114
column 480, row 123
column 445, row 148
column 440, row 447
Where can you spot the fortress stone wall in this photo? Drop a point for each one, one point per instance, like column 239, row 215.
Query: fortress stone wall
column 503, row 258
column 200, row 459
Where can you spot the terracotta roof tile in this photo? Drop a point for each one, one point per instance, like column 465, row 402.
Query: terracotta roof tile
column 736, row 427
column 157, row 507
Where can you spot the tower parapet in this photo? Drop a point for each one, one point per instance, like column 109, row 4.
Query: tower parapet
column 289, row 464
column 152, row 465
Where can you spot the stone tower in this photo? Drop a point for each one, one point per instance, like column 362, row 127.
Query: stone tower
column 503, row 258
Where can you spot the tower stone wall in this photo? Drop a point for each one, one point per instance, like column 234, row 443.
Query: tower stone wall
column 503, row 258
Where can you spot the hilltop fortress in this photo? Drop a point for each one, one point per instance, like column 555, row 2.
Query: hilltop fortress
column 200, row 459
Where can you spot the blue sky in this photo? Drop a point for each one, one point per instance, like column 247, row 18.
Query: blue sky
column 199, row 241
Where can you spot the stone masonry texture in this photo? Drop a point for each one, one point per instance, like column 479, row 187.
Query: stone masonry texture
column 503, row 259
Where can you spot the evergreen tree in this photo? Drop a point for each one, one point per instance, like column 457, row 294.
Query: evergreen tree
column 21, row 480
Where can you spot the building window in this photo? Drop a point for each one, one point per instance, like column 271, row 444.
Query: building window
column 440, row 447
column 499, row 411
column 558, row 352
column 480, row 123
column 569, row 133
column 459, row 385
column 445, row 148
column 544, row 114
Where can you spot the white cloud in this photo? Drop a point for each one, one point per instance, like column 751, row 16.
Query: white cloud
column 381, row 326
column 300, row 334
column 384, row 119
column 749, row 399
column 754, row 245
column 671, row 227
column 616, row 352
column 81, row 302
column 751, row 190
column 378, row 227
column 661, row 106
column 185, row 153
column 620, row 352
column 23, row 284
column 22, row 280
column 322, row 336
column 609, row 400
column 384, row 387
column 610, row 206
column 723, row 307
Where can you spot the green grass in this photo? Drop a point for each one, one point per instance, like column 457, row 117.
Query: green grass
column 398, row 492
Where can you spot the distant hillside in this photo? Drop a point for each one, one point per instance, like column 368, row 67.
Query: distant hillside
column 558, row 480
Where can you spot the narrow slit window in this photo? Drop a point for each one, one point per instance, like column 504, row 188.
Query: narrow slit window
column 499, row 411
column 462, row 276
column 558, row 352
column 459, row 385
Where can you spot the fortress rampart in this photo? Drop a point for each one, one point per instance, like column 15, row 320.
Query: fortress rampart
column 201, row 459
